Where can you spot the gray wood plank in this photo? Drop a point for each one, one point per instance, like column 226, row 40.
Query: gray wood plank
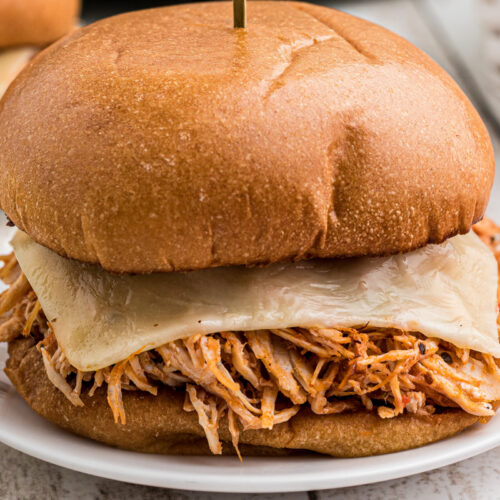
column 24, row 477
column 476, row 478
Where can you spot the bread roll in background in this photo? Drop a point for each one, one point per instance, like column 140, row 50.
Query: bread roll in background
column 26, row 26
column 36, row 22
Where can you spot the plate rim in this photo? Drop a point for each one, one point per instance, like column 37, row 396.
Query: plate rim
column 241, row 481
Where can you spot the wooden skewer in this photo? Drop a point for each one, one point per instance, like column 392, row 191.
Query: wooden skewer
column 240, row 13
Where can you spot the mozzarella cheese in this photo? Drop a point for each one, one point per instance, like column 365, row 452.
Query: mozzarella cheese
column 11, row 62
column 446, row 291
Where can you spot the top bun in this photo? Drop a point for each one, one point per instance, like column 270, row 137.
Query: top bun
column 36, row 22
column 166, row 140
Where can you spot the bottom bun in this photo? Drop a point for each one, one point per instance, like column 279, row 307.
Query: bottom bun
column 158, row 424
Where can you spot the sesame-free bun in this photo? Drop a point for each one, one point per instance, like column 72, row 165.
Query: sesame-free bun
column 36, row 22
column 165, row 140
column 158, row 424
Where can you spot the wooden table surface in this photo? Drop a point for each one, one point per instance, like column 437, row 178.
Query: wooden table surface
column 448, row 30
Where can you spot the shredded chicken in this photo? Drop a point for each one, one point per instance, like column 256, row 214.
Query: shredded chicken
column 259, row 379
column 58, row 380
column 208, row 415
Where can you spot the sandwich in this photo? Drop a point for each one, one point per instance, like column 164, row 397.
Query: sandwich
column 249, row 241
column 26, row 25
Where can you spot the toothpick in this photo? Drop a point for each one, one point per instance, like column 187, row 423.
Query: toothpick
column 240, row 13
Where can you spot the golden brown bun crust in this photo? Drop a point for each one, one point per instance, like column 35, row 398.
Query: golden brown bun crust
column 36, row 22
column 160, row 425
column 165, row 140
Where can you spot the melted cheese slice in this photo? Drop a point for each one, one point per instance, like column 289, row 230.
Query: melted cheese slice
column 446, row 291
column 11, row 62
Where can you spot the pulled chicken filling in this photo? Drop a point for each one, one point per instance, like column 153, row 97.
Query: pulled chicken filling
column 263, row 378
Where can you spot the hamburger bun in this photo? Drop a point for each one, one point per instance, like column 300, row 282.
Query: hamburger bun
column 36, row 22
column 158, row 424
column 166, row 140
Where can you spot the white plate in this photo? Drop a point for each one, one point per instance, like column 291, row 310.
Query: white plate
column 22, row 429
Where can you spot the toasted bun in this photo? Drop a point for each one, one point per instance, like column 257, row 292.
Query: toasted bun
column 158, row 424
column 166, row 140
column 36, row 22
